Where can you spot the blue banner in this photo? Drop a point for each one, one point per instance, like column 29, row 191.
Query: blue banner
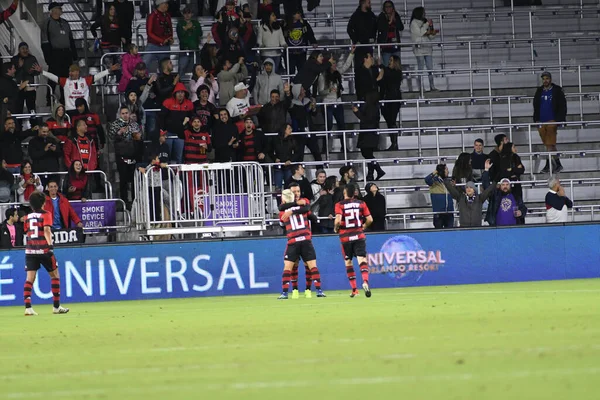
column 235, row 267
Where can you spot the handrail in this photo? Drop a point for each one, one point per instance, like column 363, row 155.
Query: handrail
column 107, row 184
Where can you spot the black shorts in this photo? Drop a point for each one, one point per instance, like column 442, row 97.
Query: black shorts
column 356, row 248
column 304, row 250
column 33, row 262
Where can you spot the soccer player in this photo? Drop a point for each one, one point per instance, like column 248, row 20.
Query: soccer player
column 296, row 215
column 349, row 216
column 39, row 252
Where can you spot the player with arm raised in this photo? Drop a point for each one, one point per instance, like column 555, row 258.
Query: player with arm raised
column 349, row 216
column 296, row 218
column 39, row 252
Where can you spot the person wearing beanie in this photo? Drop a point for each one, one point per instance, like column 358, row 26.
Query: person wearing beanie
column 159, row 29
column 549, row 107
column 24, row 62
column 376, row 204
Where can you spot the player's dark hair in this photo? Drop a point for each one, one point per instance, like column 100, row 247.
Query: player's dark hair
column 293, row 184
column 37, row 200
column 10, row 212
column 350, row 190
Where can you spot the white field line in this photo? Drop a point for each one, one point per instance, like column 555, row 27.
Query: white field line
column 351, row 381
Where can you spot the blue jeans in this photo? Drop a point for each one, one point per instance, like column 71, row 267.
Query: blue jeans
column 175, row 150
column 422, row 62
column 386, row 57
column 281, row 175
column 186, row 62
column 149, row 58
column 336, row 111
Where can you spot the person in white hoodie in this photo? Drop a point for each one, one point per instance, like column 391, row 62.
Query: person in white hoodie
column 239, row 104
column 201, row 77
column 270, row 34
column 266, row 82
column 557, row 203
column 422, row 32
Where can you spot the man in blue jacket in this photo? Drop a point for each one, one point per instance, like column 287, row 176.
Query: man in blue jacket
column 441, row 201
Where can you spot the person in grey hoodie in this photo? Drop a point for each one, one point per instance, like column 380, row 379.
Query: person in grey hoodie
column 469, row 202
column 266, row 82
column 228, row 77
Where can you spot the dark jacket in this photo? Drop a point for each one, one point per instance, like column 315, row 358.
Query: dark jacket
column 305, row 187
column 260, row 144
column 507, row 166
column 24, row 72
column 282, row 148
column 272, row 117
column 173, row 113
column 495, row 200
column 206, row 113
column 163, row 87
column 366, row 80
column 390, row 85
column 469, row 212
column 368, row 114
column 559, row 103
column 110, row 31
column 298, row 34
column 326, row 208
column 383, row 30
column 5, row 242
column 44, row 161
column 220, row 137
column 126, row 14
column 441, row 200
column 362, row 27
column 309, row 73
column 9, row 89
column 11, row 148
column 377, row 208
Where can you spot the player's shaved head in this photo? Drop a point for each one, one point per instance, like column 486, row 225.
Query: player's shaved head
column 37, row 200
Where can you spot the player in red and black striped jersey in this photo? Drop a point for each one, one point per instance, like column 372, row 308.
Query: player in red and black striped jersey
column 39, row 252
column 295, row 214
column 352, row 216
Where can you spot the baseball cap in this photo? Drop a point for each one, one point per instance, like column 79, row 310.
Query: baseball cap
column 54, row 4
column 240, row 86
column 546, row 73
column 505, row 180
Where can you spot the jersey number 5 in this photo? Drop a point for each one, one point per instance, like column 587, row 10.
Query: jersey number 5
column 35, row 230
column 297, row 222
column 352, row 218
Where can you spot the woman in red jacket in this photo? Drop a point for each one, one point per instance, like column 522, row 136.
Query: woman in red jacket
column 77, row 185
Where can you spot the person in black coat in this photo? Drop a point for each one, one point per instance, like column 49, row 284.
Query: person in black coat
column 224, row 137
column 326, row 205
column 24, row 62
column 44, row 151
column 376, row 203
column 272, row 116
column 362, row 27
column 9, row 89
column 6, row 238
column 310, row 71
column 390, row 90
column 367, row 76
column 389, row 30
column 368, row 142
column 282, row 149
column 125, row 12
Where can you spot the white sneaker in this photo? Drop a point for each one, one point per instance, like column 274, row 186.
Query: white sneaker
column 60, row 310
column 29, row 311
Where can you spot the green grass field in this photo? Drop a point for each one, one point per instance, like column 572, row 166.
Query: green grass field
column 504, row 341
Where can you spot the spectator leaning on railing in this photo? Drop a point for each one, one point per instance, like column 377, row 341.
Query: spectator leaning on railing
column 441, row 200
column 77, row 185
column 557, row 203
column 28, row 182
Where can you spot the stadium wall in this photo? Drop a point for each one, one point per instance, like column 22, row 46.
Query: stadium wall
column 253, row 266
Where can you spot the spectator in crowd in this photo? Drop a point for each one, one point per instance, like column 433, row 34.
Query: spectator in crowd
column 166, row 81
column 389, row 31
column 10, row 91
column 367, row 77
column 126, row 14
column 317, row 185
column 274, row 115
column 229, row 76
column 122, row 131
column 302, row 110
column 61, row 210
column 129, row 63
column 24, row 62
column 298, row 178
column 362, row 28
column 60, row 123
column 158, row 188
column 478, row 158
column 58, row 46
column 422, row 33
column 5, row 14
column 549, row 107
column 298, row 33
column 505, row 208
column 111, row 31
column 81, row 147
column 508, row 165
column 136, row 105
column 75, row 86
column 77, row 185
column 239, row 105
column 232, row 47
column 500, row 139
column 28, row 182
column 197, row 142
column 266, row 82
column 377, row 206
column 309, row 74
column 200, row 77
column 347, row 175
column 266, row 7
column 441, row 200
column 94, row 126
column 159, row 29
column 470, row 204
column 557, row 203
column 331, row 88
column 324, row 207
column 224, row 137
column 390, row 90
column 270, row 34
column 45, row 151
column 138, row 83
column 162, row 149
column 227, row 18
column 11, row 141
column 206, row 110
column 11, row 232
column 252, row 143
column 174, row 115
column 209, row 56
column 283, row 147
column 368, row 142
column 189, row 32
column 7, row 181
column 462, row 171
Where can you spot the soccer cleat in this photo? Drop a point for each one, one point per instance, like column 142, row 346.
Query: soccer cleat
column 29, row 311
column 295, row 294
column 320, row 293
column 354, row 293
column 367, row 289
column 308, row 294
column 60, row 310
column 283, row 296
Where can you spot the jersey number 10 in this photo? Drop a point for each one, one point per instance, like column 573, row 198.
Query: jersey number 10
column 297, row 222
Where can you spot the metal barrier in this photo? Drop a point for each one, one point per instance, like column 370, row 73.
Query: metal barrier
column 200, row 198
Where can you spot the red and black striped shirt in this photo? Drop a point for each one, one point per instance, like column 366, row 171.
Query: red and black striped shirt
column 249, row 146
column 297, row 227
column 92, row 120
column 353, row 212
column 34, row 228
column 84, row 145
column 193, row 153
